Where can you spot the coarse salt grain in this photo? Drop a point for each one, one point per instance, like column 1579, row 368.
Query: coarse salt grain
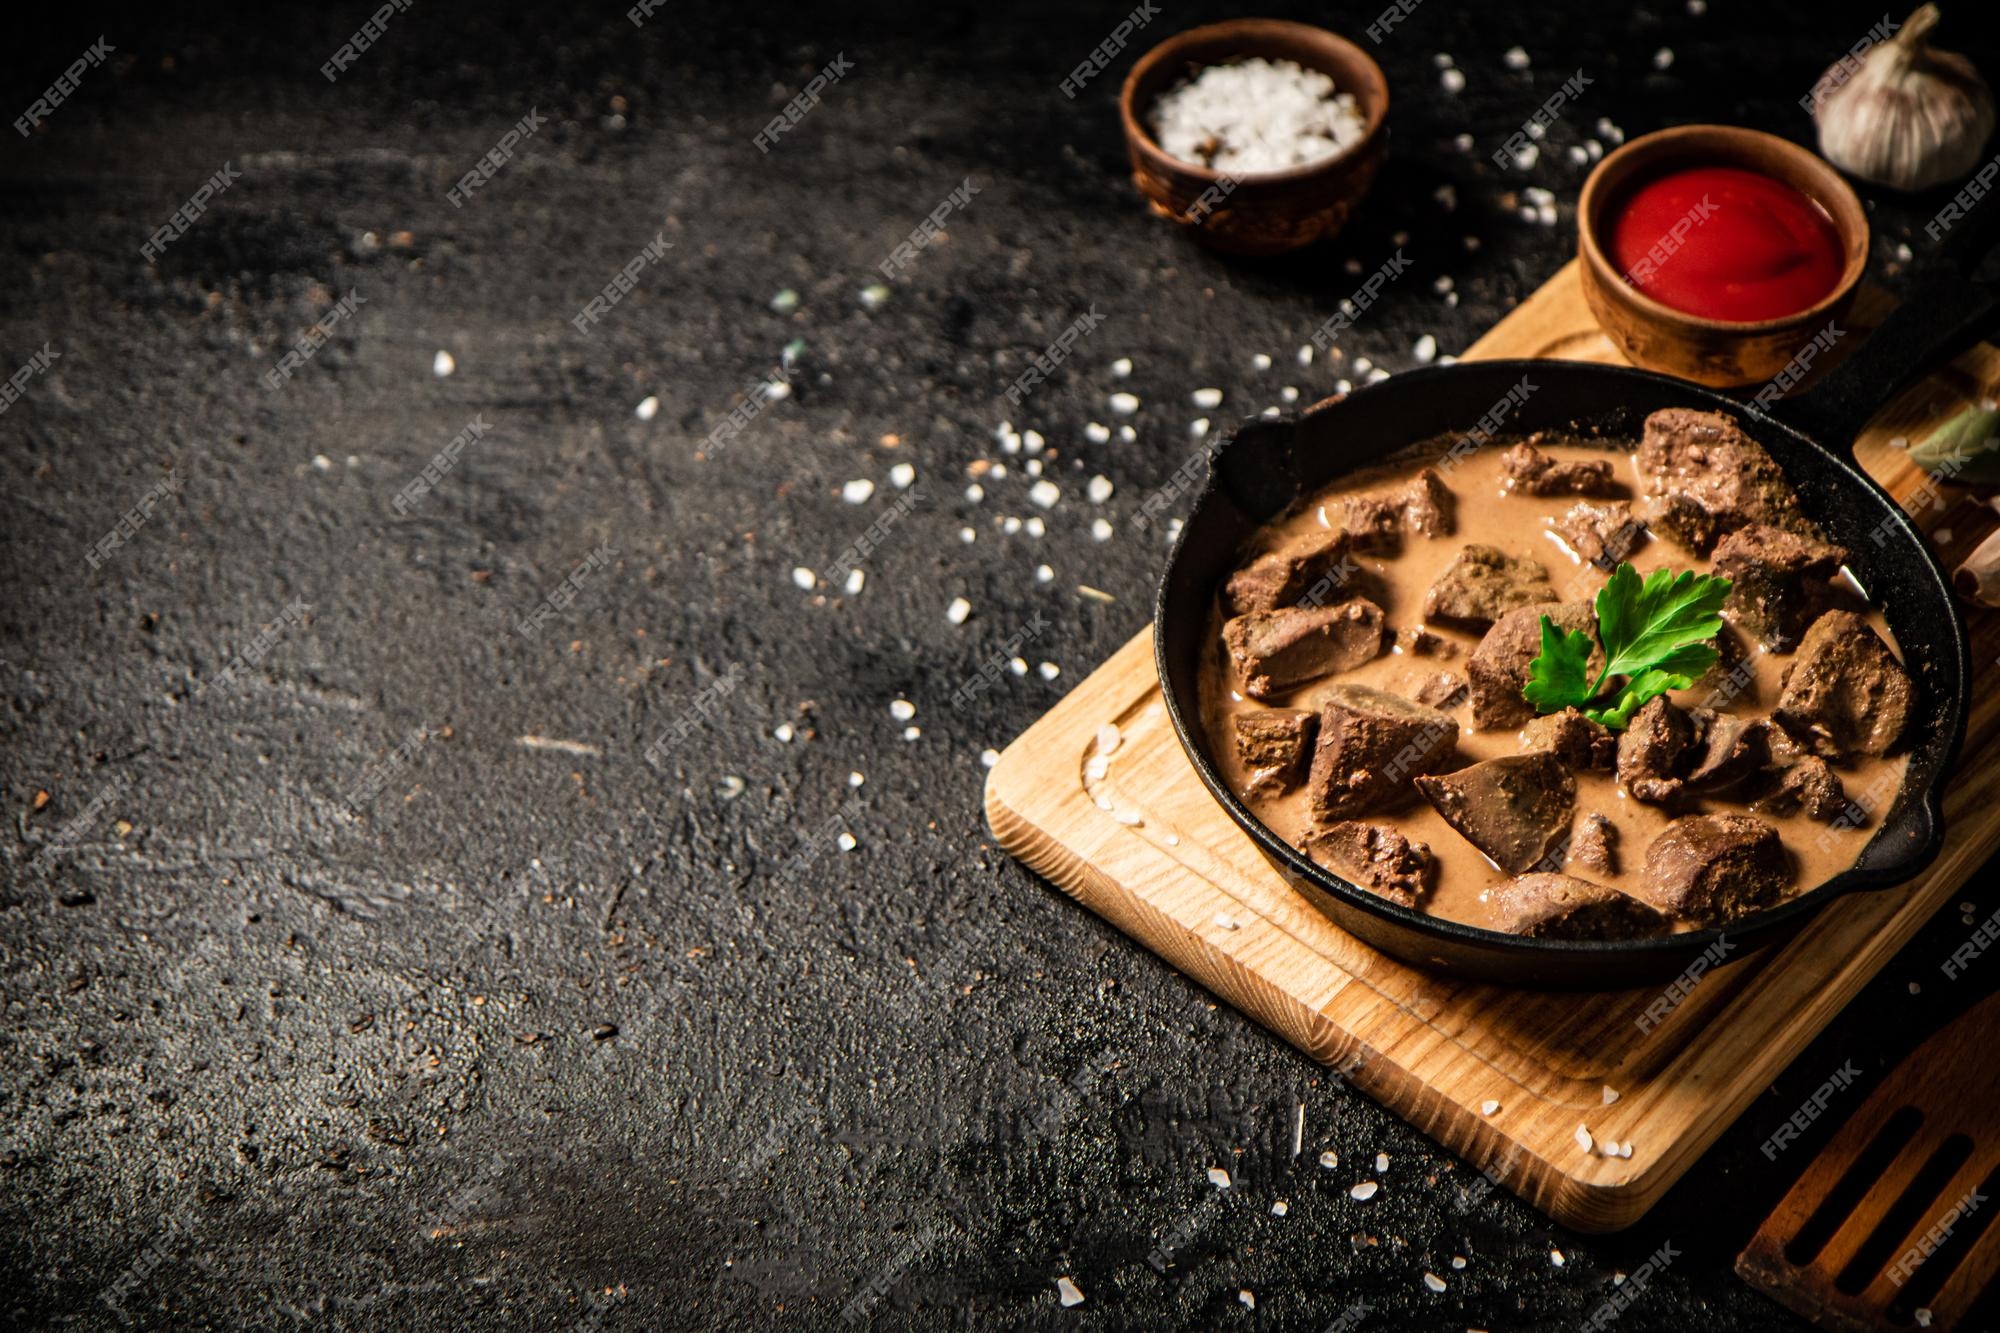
column 1583, row 1139
column 1045, row 493
column 1364, row 1191
column 1426, row 350
column 1663, row 58
column 1032, row 441
column 911, row 733
column 847, row 842
column 1289, row 393
column 901, row 475
column 1381, row 1163
column 783, row 731
column 1610, row 1094
column 1124, row 404
column 1198, row 427
column 968, row 536
column 1108, row 738
column 1129, row 818
column 1067, row 1292
column 1127, row 434
column 1458, row 1261
column 1488, row 1107
column 1043, row 574
column 1433, row 1281
column 1096, row 767
column 857, row 492
column 1207, row 397
column 1099, row 489
column 1218, row 1177
column 1247, row 1298
column 1515, row 58
column 1017, row 665
column 1256, row 115
column 1010, row 525
column 1452, row 80
column 989, row 757
column 1049, row 670
column 443, row 364
column 902, row 709
column 856, row 578
column 1035, row 527
column 975, row 492
column 958, row 610
column 804, row 577
column 1329, row 1159
column 1121, row 368
column 1097, row 433
column 1100, row 530
column 1279, row 1208
column 1261, row 361
column 647, row 409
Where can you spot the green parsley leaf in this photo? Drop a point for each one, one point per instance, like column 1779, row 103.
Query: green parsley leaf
column 1657, row 634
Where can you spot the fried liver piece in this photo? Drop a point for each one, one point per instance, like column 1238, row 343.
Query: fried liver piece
column 1420, row 642
column 1733, row 678
column 1533, row 472
column 1282, row 577
column 1711, row 868
column 1273, row 744
column 1706, row 478
column 1516, row 808
column 1562, row 907
column 1604, row 533
column 1371, row 744
column 1446, row 689
column 1811, row 785
column 1732, row 749
column 1278, row 650
column 1594, row 845
column 1485, row 583
column 1781, row 581
column 1572, row 738
column 1379, row 520
column 1378, row 859
column 1655, row 751
column 1498, row 667
column 1845, row 694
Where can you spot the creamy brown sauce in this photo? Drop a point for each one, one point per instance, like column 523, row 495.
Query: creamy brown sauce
column 1488, row 513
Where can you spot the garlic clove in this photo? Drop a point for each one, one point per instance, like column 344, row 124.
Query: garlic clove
column 1904, row 114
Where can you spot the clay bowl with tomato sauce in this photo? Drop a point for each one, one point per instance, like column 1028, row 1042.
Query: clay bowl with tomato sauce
column 1732, row 293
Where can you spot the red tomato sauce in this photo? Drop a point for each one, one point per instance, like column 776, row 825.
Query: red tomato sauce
column 1725, row 243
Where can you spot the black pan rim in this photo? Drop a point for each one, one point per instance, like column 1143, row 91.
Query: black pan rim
column 1904, row 868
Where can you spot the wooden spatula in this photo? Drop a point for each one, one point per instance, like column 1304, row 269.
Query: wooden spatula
column 1892, row 1226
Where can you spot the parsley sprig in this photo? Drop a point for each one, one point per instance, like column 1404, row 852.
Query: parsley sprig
column 1657, row 635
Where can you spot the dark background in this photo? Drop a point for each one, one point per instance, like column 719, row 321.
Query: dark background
column 542, row 1037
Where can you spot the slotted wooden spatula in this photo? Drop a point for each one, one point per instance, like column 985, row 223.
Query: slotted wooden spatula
column 1892, row 1226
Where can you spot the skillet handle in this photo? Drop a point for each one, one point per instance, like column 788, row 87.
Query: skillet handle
column 1945, row 310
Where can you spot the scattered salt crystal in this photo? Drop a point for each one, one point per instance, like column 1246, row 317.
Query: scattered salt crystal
column 1049, row 670
column 1279, row 1208
column 911, row 733
column 1698, row 8
column 1306, row 355
column 1100, row 530
column 1364, row 1191
column 1488, row 1107
column 732, row 787
column 1381, row 1163
column 968, row 536
column 1426, row 350
column 1458, row 1261
column 856, row 578
column 1270, row 412
column 1207, row 397
column 1067, row 1292
column 1096, row 433
column 846, row 842
column 1516, row 58
column 1556, row 1258
column 1099, row 489
column 1290, row 393
column 1578, row 155
column 1610, row 1094
column 1663, row 58
column 1899, row 441
column 1462, row 142
column 783, row 732
column 1173, row 840
column 855, row 779
column 1922, row 1314
column 958, row 610
column 804, row 577
column 1096, row 767
column 1108, row 738
column 1010, row 525
column 322, row 462
column 1329, row 1159
column 443, row 364
column 1127, row 434
column 1121, row 368
column 1124, row 404
column 1045, row 493
column 1198, row 427
column 1583, row 1139
column 902, row 709
column 857, row 492
column 648, row 408
column 1218, row 1177
column 778, row 390
column 1017, row 665
column 1043, row 574
column 1433, row 1281
column 901, row 475
column 1032, row 441
column 874, row 296
column 989, row 757
column 975, row 492
column 1247, row 1298
column 1261, row 361
column 785, row 301
column 1452, row 80
column 1227, row 922
column 1034, row 526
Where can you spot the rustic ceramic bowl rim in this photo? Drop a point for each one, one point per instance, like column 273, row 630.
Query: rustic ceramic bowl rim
column 1722, row 141
column 1376, row 114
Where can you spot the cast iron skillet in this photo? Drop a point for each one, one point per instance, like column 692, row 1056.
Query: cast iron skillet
column 1268, row 464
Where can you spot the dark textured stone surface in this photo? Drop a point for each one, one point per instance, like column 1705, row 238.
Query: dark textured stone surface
column 538, row 1025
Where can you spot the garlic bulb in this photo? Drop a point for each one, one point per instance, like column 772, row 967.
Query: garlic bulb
column 1910, row 117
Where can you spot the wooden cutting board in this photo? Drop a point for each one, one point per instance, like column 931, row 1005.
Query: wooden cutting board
column 1188, row 884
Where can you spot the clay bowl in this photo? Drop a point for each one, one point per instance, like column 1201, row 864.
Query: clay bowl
column 1715, row 352
column 1256, row 213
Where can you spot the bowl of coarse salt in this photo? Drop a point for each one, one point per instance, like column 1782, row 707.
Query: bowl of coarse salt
column 1257, row 135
